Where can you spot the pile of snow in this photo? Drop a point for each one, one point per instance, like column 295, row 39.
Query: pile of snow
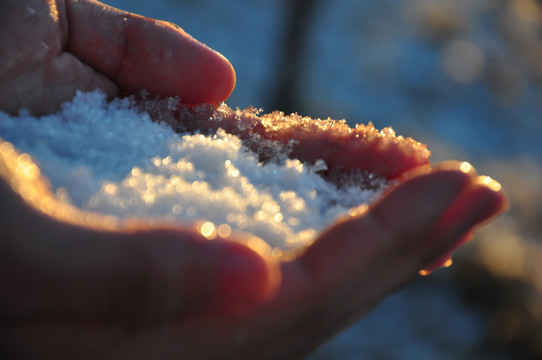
column 111, row 158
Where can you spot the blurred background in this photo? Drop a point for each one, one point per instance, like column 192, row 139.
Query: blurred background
column 463, row 76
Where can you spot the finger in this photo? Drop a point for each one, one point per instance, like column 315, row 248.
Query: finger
column 413, row 226
column 356, row 263
column 68, row 272
column 397, row 223
column 318, row 287
column 481, row 201
column 342, row 148
column 160, row 274
column 140, row 53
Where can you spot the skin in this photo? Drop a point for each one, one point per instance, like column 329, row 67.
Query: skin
column 50, row 49
column 81, row 290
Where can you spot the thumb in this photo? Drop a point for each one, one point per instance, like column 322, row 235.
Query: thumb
column 140, row 53
column 154, row 274
column 60, row 271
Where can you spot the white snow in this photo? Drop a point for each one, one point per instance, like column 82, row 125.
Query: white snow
column 111, row 158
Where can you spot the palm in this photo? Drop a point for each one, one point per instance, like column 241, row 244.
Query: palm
column 38, row 72
column 161, row 293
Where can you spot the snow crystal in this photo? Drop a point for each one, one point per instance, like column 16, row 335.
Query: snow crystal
column 111, row 158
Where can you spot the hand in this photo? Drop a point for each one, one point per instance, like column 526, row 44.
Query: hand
column 92, row 288
column 72, row 291
column 51, row 48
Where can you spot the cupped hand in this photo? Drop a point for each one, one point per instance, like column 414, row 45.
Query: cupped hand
column 97, row 288
column 93, row 290
column 49, row 49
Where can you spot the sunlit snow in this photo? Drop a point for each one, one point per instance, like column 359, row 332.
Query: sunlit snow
column 111, row 158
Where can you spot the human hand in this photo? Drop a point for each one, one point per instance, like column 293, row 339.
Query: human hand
column 96, row 289
column 51, row 48
column 93, row 288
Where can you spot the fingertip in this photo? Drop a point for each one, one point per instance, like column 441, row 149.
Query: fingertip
column 216, row 76
column 163, row 59
column 216, row 80
column 488, row 198
column 480, row 202
column 223, row 80
column 141, row 53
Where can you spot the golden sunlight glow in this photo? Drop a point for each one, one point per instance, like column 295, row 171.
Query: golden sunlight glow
column 6, row 148
column 224, row 230
column 424, row 272
column 358, row 210
column 111, row 189
column 258, row 245
column 24, row 160
column 489, row 182
column 27, row 168
column 446, row 264
column 24, row 177
column 465, row 167
column 53, row 12
column 208, row 230
column 277, row 252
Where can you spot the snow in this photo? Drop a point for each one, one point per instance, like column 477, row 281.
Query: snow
column 112, row 159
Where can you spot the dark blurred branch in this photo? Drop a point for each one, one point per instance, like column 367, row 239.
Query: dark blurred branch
column 295, row 30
